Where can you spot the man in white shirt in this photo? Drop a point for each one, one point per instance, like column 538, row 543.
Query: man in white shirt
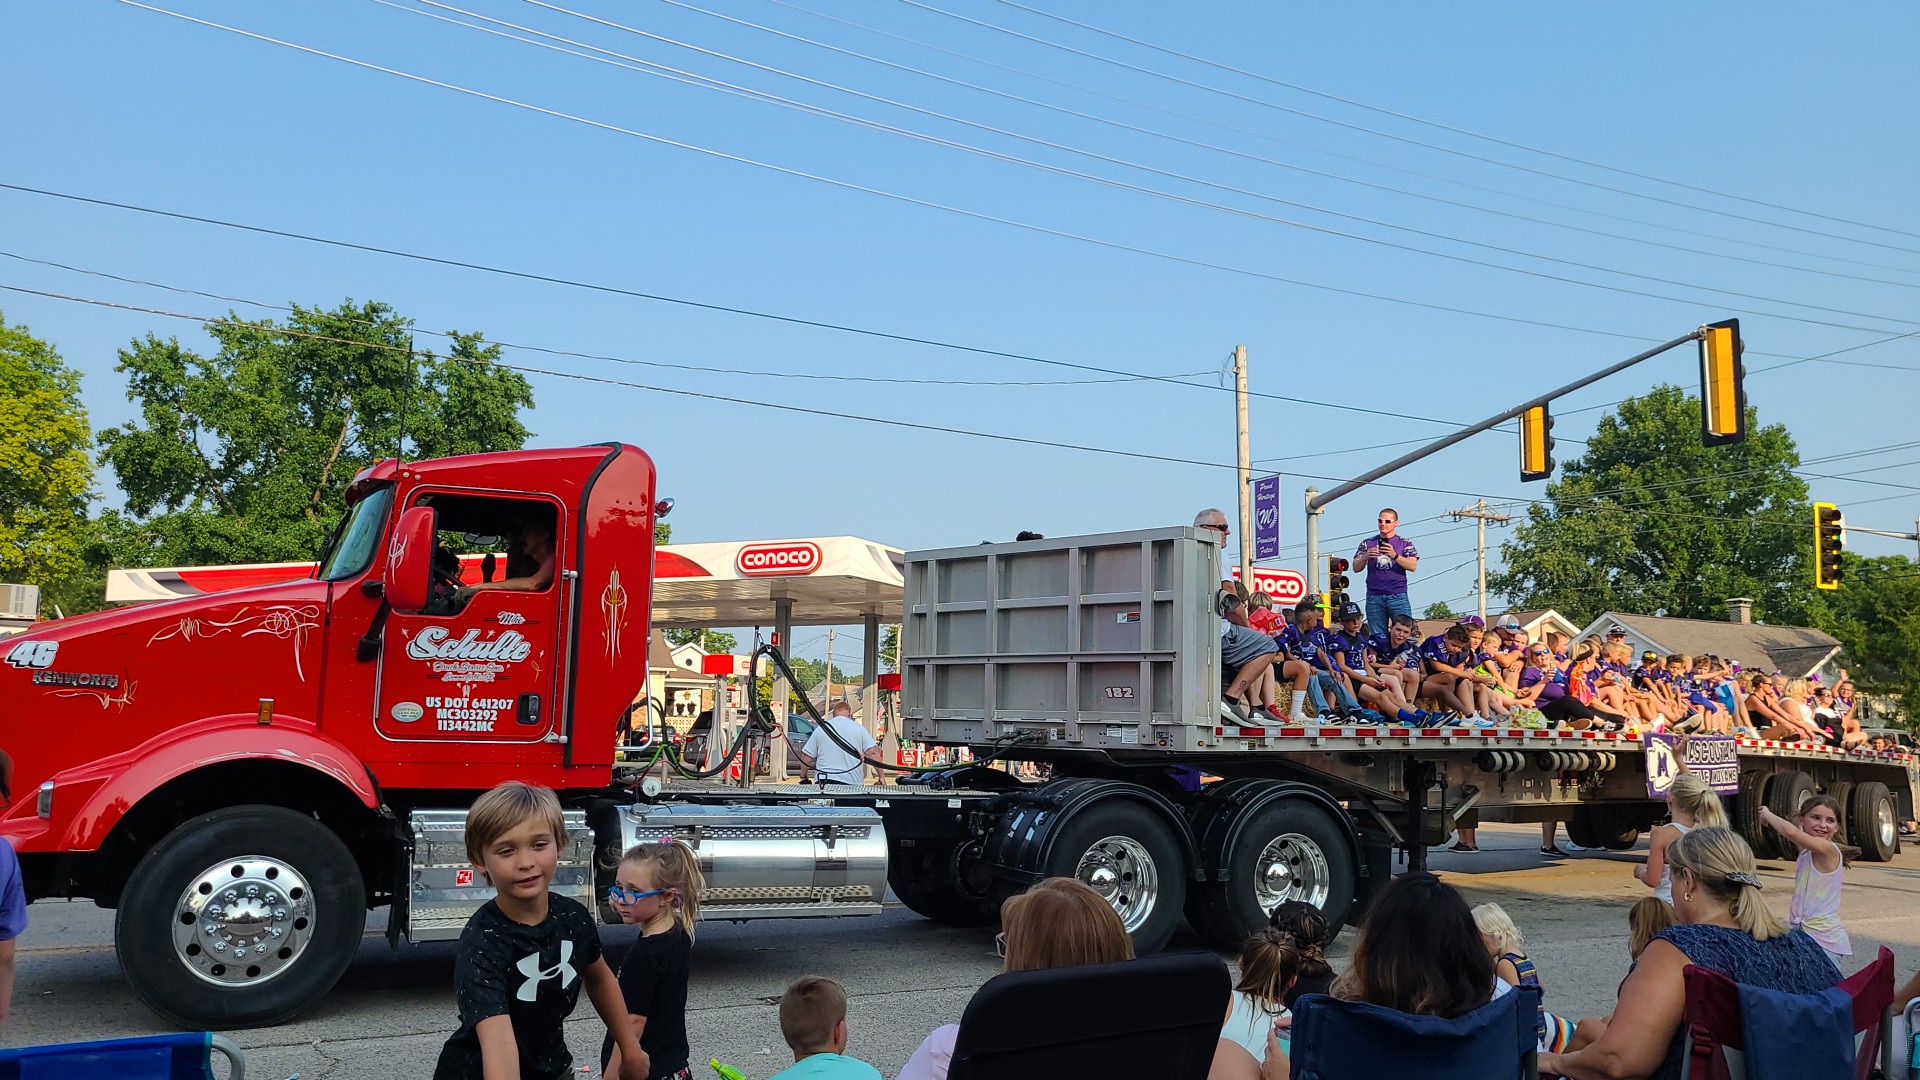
column 830, row 762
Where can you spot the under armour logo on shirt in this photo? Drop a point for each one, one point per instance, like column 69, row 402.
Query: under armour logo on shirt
column 529, row 966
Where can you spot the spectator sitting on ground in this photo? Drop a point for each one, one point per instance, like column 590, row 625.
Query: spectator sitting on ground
column 1057, row 923
column 813, row 1020
column 1307, row 926
column 1269, row 966
column 1726, row 927
column 1648, row 916
column 1515, row 968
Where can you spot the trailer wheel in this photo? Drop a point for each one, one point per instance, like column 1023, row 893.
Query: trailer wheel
column 920, row 878
column 240, row 918
column 1580, row 828
column 1288, row 850
column 1131, row 857
column 1745, row 812
column 1612, row 827
column 1842, row 792
column 1874, row 821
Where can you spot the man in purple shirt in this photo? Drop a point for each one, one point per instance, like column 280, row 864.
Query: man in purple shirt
column 13, row 898
column 1388, row 559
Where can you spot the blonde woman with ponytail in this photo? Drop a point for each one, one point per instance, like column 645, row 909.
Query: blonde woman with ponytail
column 1690, row 804
column 1724, row 926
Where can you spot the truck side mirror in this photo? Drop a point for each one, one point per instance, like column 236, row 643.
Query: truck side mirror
column 409, row 580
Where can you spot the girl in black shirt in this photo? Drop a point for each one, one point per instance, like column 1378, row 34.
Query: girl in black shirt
column 657, row 889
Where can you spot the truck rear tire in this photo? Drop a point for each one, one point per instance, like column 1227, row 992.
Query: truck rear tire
column 1286, row 850
column 1745, row 812
column 1131, row 857
column 240, row 918
column 1873, row 821
column 1841, row 791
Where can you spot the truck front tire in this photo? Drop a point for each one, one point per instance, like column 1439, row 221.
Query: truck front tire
column 240, row 918
column 923, row 880
column 1131, row 857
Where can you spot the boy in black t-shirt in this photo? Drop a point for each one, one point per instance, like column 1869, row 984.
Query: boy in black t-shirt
column 525, row 955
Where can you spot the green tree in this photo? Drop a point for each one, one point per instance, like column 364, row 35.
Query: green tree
column 1648, row 520
column 714, row 642
column 46, row 476
column 1876, row 615
column 1438, row 610
column 244, row 454
column 890, row 647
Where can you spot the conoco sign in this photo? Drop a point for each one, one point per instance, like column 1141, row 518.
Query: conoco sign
column 777, row 560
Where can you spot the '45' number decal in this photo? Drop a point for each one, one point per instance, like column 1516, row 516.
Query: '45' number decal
column 33, row 654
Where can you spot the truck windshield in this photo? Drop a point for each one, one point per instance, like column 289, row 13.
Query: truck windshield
column 357, row 537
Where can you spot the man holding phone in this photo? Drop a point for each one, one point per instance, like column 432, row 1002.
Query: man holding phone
column 1388, row 559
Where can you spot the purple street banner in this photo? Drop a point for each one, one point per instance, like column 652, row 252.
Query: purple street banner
column 1266, row 518
column 1712, row 758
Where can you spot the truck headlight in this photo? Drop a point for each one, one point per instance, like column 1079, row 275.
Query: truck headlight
column 43, row 805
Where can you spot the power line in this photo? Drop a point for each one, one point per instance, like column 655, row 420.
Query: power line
column 1373, row 131
column 702, row 368
column 1214, row 122
column 601, row 380
column 881, row 192
column 1472, row 134
column 1181, row 139
column 649, row 68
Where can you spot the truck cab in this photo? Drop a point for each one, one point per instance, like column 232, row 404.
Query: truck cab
column 235, row 771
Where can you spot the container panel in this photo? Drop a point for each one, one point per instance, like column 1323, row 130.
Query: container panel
column 962, row 581
column 1036, row 691
column 1033, row 630
column 1112, row 569
column 960, row 688
column 1111, row 628
column 961, row 633
column 1035, row 574
column 1111, row 688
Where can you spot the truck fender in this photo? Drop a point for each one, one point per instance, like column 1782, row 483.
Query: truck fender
column 1027, row 822
column 121, row 781
column 1222, row 813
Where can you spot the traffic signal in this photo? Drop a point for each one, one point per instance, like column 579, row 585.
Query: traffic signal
column 1536, row 444
column 1723, row 394
column 1829, row 538
column 1336, row 582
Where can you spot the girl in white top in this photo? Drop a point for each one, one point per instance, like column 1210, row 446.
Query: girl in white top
column 1270, row 962
column 1691, row 804
column 1816, row 873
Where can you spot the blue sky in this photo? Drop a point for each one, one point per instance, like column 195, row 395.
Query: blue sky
column 1783, row 104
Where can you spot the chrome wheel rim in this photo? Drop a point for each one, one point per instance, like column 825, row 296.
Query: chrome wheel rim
column 1123, row 873
column 1291, row 867
column 242, row 921
column 1884, row 824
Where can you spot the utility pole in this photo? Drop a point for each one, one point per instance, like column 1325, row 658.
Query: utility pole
column 1246, row 464
column 1478, row 512
column 826, row 694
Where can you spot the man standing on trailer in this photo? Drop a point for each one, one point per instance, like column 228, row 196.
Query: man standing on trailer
column 1389, row 558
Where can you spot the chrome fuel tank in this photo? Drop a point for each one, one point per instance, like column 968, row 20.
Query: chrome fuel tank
column 765, row 862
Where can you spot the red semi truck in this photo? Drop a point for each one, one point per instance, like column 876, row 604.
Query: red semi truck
column 242, row 775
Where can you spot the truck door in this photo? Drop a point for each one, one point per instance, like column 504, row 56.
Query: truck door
column 479, row 665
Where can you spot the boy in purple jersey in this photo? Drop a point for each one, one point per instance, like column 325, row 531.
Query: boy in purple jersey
column 1446, row 659
column 1296, row 669
column 1379, row 690
column 1393, row 653
column 1313, row 647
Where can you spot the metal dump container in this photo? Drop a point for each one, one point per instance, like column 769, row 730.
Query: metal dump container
column 1107, row 641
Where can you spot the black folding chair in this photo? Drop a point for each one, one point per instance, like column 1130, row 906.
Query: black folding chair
column 1159, row 1017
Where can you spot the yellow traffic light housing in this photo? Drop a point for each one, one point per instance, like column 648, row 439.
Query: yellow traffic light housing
column 1829, row 539
column 1723, row 394
column 1536, row 444
column 1337, row 583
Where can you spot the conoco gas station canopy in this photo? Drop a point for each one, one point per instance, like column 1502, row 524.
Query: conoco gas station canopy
column 818, row 581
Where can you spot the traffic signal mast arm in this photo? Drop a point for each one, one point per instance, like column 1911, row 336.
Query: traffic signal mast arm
column 1319, row 501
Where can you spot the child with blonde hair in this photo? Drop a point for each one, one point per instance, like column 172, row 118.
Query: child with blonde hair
column 1691, row 804
column 1513, row 967
column 657, row 888
column 1816, row 872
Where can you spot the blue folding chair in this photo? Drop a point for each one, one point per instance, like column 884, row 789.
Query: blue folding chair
column 1352, row 1040
column 185, row 1056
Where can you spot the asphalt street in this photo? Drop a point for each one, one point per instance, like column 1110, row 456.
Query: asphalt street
column 391, row 1012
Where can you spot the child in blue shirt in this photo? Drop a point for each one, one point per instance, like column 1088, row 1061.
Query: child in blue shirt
column 813, row 1020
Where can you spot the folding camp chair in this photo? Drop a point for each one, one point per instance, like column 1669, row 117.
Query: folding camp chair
column 1352, row 1040
column 1716, row 1038
column 1159, row 1017
column 185, row 1056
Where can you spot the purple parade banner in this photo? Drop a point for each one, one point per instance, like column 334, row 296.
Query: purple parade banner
column 1713, row 758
